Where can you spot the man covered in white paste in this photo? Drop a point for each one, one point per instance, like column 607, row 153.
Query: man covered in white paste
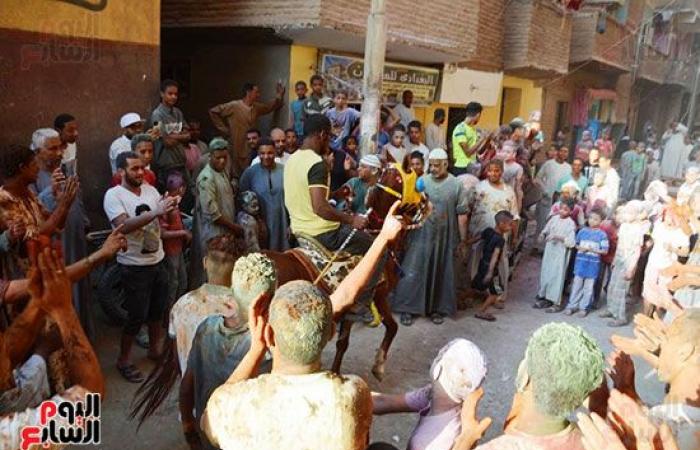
column 298, row 405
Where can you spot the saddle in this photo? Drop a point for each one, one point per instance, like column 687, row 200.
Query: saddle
column 314, row 257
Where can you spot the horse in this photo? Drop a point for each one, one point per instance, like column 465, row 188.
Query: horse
column 380, row 197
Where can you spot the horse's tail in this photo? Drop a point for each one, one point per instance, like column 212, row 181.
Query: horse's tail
column 156, row 387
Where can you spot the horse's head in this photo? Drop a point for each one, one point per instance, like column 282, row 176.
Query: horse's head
column 396, row 182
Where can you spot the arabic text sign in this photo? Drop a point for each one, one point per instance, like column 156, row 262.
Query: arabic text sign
column 346, row 72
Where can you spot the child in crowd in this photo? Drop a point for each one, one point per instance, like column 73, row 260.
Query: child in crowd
column 456, row 373
column 343, row 119
column 670, row 242
column 560, row 237
column 629, row 246
column 254, row 228
column 597, row 194
column 417, row 163
column 609, row 226
column 653, row 170
column 569, row 192
column 296, row 109
column 350, row 147
column 492, row 251
column 394, row 151
column 591, row 244
column 175, row 238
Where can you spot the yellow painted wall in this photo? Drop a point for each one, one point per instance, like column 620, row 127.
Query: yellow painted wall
column 303, row 62
column 135, row 21
column 530, row 100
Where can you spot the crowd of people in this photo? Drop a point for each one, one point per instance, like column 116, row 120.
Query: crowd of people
column 191, row 222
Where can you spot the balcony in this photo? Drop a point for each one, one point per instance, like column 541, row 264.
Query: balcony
column 341, row 25
column 654, row 66
column 609, row 51
column 537, row 40
column 681, row 73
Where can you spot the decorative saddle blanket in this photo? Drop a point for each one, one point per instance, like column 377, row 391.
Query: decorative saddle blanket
column 315, row 257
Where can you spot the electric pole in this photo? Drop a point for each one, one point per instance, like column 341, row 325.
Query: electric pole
column 375, row 51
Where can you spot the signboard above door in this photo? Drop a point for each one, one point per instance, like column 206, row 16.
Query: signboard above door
column 346, row 72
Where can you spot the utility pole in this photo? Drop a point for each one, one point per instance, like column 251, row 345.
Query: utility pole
column 375, row 51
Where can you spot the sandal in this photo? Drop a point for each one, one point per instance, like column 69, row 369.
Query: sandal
column 485, row 316
column 542, row 304
column 499, row 305
column 406, row 319
column 437, row 319
column 130, row 372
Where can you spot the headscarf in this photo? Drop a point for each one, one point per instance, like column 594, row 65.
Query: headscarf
column 371, row 161
column 460, row 366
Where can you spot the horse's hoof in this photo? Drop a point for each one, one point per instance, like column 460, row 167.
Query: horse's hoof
column 378, row 368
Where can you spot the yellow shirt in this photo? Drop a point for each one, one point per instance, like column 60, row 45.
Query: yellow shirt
column 463, row 133
column 297, row 197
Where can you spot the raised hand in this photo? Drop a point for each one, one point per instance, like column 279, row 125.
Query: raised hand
column 49, row 283
column 473, row 429
column 58, row 182
column 392, row 223
column 596, row 434
column 621, row 372
column 115, row 242
column 280, row 89
column 69, row 191
column 166, row 205
column 257, row 323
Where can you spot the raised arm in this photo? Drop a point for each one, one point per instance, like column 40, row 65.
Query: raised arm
column 348, row 290
column 129, row 224
column 57, row 219
column 274, row 104
column 56, row 296
column 19, row 289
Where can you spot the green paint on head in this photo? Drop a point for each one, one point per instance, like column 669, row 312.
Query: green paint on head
column 301, row 316
column 564, row 364
column 252, row 275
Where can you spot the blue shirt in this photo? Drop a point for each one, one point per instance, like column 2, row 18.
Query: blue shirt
column 587, row 264
column 342, row 124
column 297, row 113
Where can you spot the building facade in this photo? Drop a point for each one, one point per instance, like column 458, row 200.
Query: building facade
column 607, row 65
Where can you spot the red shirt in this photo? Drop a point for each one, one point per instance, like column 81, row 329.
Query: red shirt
column 172, row 222
column 149, row 177
column 609, row 227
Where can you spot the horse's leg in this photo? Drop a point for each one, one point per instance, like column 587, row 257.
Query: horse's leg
column 341, row 345
column 381, row 301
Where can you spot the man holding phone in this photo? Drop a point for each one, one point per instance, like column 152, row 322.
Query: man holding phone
column 135, row 206
column 48, row 145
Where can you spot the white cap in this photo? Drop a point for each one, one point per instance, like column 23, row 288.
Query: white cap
column 129, row 119
column 438, row 153
column 371, row 161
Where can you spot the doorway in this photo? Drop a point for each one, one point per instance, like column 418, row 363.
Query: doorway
column 511, row 98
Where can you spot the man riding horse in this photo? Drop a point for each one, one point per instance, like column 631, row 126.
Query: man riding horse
column 306, row 187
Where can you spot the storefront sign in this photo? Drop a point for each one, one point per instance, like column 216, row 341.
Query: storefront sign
column 346, row 72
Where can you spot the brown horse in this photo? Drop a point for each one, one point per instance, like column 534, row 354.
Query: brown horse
column 379, row 200
column 157, row 386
